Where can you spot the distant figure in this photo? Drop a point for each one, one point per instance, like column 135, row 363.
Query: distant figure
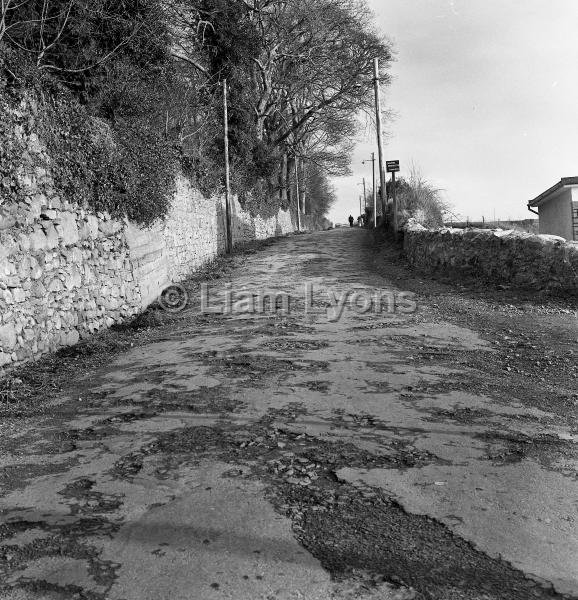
column 350, row 221
column 360, row 221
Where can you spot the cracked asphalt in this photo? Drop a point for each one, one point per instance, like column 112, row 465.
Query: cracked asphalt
column 335, row 450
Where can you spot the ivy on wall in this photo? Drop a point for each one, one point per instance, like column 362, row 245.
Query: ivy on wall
column 128, row 171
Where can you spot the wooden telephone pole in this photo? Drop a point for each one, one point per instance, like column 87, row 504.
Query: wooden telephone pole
column 303, row 187
column 229, row 229
column 379, row 136
column 297, row 194
column 374, row 189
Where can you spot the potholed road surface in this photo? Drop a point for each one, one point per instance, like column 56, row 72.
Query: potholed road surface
column 363, row 442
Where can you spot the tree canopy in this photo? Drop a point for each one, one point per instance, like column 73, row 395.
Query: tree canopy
column 299, row 75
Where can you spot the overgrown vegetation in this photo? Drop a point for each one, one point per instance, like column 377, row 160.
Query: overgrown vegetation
column 418, row 199
column 128, row 89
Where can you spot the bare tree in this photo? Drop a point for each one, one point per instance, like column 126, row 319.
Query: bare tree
column 74, row 36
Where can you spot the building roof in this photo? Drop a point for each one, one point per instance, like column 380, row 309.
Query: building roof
column 564, row 182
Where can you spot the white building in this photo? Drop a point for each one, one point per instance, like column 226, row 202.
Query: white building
column 558, row 209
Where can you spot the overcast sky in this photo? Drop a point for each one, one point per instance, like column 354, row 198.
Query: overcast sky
column 486, row 96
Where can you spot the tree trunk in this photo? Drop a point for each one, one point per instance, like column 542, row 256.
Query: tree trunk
column 303, row 186
column 260, row 128
column 283, row 181
column 290, row 166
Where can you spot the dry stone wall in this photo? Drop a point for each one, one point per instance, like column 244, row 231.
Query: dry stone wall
column 66, row 272
column 524, row 260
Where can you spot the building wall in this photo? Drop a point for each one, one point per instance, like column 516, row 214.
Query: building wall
column 575, row 213
column 556, row 215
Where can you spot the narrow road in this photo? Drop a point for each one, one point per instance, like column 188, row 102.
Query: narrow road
column 335, row 450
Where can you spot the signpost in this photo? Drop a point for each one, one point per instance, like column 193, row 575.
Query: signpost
column 392, row 167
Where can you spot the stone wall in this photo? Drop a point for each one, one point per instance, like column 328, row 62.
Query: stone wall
column 192, row 234
column 537, row 262
column 66, row 272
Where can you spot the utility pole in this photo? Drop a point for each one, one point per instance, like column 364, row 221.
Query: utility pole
column 303, row 187
column 380, row 144
column 229, row 231
column 364, row 196
column 297, row 194
column 360, row 213
column 374, row 189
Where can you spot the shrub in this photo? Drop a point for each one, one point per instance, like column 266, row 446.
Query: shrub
column 419, row 199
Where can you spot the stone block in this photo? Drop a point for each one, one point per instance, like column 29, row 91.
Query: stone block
column 75, row 256
column 23, row 242
column 11, row 281
column 8, row 336
column 73, row 279
column 69, row 338
column 36, row 203
column 5, row 359
column 37, row 289
column 109, row 227
column 67, row 229
column 52, row 240
column 38, row 241
column 48, row 213
column 55, row 202
column 24, row 267
column 19, row 295
column 89, row 230
column 36, row 270
column 55, row 285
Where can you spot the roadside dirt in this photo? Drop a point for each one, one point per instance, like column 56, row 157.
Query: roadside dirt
column 534, row 334
column 428, row 455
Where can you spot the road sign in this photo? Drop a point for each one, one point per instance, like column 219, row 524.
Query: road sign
column 392, row 166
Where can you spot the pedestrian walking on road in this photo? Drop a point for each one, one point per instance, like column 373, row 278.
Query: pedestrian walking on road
column 350, row 221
